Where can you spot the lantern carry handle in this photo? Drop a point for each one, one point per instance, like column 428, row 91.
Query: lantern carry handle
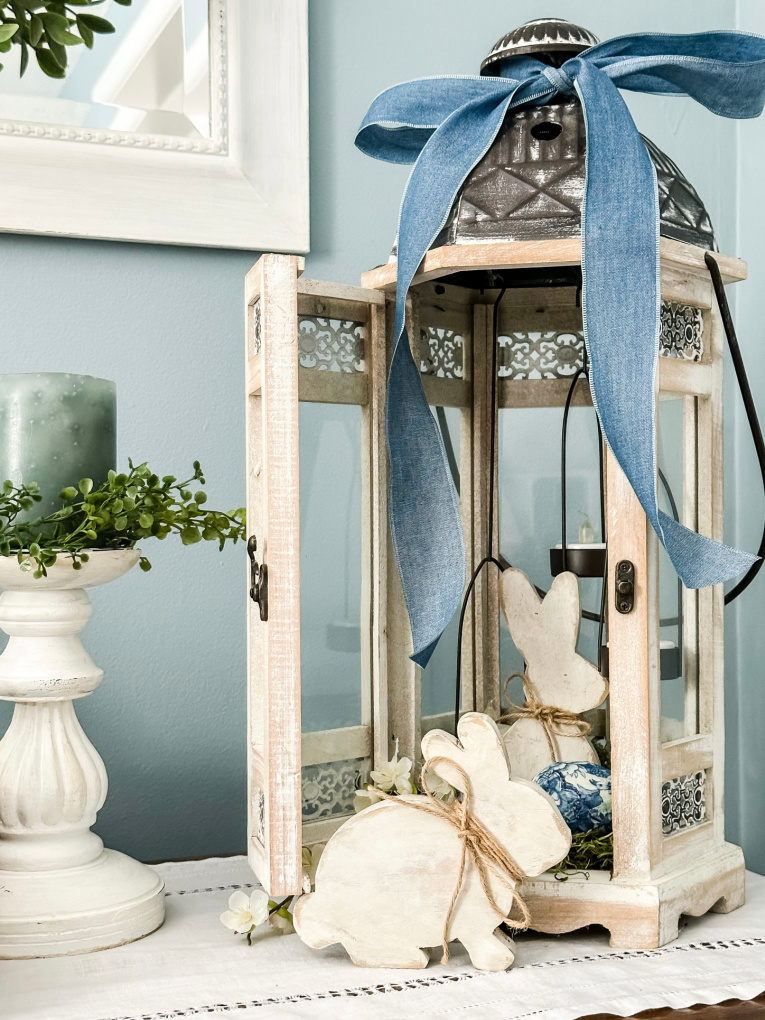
column 751, row 410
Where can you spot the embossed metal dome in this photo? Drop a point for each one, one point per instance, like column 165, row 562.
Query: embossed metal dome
column 553, row 40
column 530, row 184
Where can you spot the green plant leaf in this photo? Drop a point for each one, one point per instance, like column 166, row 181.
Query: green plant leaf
column 57, row 31
column 86, row 486
column 86, row 33
column 7, row 31
column 35, row 30
column 24, row 60
column 96, row 24
column 48, row 63
column 52, row 19
column 68, row 493
column 62, row 38
column 57, row 49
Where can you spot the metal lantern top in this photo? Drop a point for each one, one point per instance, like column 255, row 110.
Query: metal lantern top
column 530, row 184
column 552, row 40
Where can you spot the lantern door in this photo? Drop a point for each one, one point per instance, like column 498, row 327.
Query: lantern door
column 667, row 660
column 318, row 552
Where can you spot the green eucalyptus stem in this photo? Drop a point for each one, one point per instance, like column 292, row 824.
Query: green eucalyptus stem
column 128, row 508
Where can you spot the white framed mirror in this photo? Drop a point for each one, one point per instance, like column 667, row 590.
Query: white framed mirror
column 188, row 125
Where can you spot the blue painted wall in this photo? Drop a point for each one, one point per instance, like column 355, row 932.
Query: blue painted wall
column 166, row 324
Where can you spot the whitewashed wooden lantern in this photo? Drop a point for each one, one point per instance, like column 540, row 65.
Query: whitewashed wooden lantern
column 670, row 854
column 310, row 342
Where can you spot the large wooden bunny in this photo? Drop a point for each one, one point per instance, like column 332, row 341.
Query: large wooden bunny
column 545, row 632
column 386, row 879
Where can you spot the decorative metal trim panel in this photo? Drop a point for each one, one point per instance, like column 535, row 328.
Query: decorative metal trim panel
column 683, row 803
column 441, row 353
column 257, row 328
column 331, row 345
column 550, row 354
column 328, row 788
column 557, row 354
column 682, row 332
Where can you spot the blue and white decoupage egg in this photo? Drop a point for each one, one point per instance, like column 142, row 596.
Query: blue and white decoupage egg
column 581, row 791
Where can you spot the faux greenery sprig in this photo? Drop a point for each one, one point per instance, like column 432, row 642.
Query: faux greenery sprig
column 125, row 510
column 48, row 27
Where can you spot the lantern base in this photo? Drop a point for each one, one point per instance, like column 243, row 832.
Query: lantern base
column 639, row 914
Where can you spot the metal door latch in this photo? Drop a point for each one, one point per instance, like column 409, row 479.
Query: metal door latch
column 625, row 586
column 258, row 579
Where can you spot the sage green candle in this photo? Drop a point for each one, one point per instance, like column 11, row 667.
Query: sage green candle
column 56, row 428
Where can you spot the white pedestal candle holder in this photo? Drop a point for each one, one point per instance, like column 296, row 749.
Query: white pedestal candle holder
column 61, row 892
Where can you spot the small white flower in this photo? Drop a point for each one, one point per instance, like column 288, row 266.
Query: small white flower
column 311, row 858
column 281, row 921
column 245, row 912
column 396, row 775
column 365, row 798
column 438, row 787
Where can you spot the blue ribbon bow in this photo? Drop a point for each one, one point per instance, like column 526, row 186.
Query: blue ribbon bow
column 445, row 126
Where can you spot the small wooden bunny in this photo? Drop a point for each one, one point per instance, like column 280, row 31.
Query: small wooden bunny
column 545, row 632
column 391, row 883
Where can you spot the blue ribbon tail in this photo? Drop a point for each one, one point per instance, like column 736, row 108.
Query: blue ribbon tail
column 621, row 283
column 698, row 560
column 423, row 504
column 425, row 517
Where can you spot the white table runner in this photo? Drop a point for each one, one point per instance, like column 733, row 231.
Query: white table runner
column 194, row 967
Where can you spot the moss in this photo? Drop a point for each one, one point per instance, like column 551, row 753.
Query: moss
column 589, row 850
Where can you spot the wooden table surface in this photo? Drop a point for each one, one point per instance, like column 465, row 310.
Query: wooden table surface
column 731, row 1009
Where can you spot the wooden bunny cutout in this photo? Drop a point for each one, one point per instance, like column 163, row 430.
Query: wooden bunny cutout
column 545, row 632
column 387, row 877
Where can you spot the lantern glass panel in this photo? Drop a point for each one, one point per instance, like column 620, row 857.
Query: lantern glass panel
column 530, row 506
column 678, row 630
column 439, row 676
column 333, row 385
column 330, row 565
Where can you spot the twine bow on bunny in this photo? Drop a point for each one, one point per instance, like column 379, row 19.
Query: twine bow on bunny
column 485, row 851
column 553, row 720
